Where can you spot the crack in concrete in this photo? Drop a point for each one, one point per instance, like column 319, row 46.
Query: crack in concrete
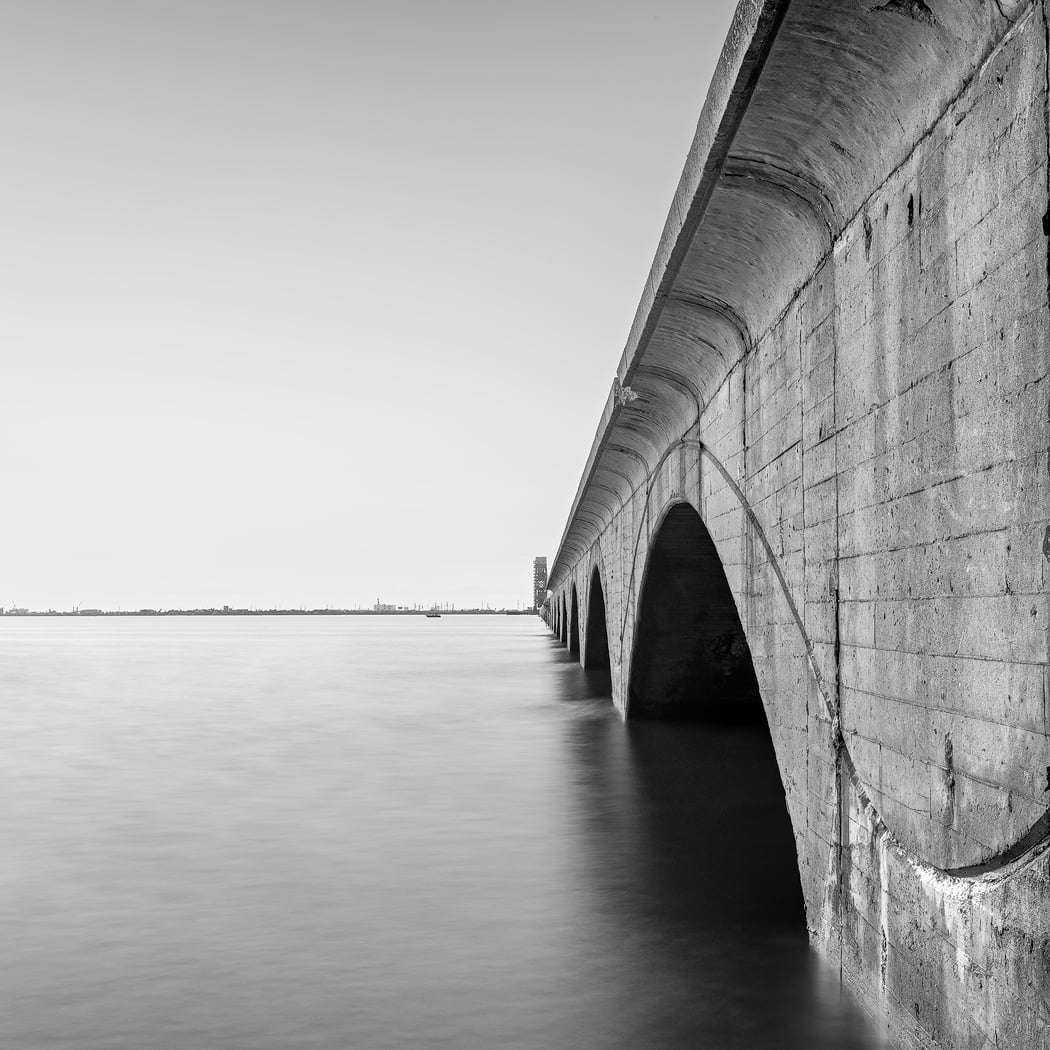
column 1046, row 233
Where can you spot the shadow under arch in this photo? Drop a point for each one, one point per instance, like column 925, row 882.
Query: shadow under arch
column 691, row 659
column 596, row 649
column 692, row 663
column 574, row 623
column 563, row 630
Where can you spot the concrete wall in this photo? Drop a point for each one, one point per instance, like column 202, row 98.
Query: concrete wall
column 884, row 417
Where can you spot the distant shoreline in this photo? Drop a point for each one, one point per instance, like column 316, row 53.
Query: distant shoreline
column 25, row 613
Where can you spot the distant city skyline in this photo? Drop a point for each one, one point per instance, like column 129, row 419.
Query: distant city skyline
column 310, row 301
column 379, row 608
column 539, row 584
column 376, row 606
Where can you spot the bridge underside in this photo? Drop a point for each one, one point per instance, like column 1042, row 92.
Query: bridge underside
column 819, row 488
column 691, row 658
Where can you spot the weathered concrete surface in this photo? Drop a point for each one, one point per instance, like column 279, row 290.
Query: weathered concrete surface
column 840, row 362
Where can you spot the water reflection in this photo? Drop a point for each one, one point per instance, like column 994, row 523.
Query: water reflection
column 381, row 835
column 687, row 864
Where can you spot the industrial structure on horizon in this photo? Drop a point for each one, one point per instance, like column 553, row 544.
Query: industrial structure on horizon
column 539, row 582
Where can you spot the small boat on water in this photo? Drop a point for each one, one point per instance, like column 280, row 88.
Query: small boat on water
column 433, row 616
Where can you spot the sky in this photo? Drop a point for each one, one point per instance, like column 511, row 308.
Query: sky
column 318, row 302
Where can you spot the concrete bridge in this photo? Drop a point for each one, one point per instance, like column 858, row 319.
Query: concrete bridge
column 819, row 488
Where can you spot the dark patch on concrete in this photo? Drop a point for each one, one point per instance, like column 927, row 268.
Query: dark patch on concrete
column 911, row 209
column 913, row 9
column 845, row 855
column 1046, row 214
column 837, row 644
column 949, row 779
column 867, row 237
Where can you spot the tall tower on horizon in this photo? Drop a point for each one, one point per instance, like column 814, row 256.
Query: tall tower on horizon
column 539, row 582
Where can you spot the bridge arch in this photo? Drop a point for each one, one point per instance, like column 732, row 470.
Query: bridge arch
column 574, row 623
column 563, row 628
column 596, row 640
column 690, row 660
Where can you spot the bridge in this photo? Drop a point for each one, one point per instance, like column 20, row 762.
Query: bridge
column 818, row 494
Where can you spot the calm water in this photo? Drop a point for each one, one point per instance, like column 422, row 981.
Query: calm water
column 275, row 834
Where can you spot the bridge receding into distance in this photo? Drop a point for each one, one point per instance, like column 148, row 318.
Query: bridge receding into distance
column 819, row 491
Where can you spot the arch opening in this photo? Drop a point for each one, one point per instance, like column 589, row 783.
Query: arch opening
column 596, row 649
column 563, row 630
column 574, row 624
column 692, row 663
column 691, row 658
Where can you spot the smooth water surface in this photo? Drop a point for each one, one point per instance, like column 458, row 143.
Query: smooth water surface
column 358, row 832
